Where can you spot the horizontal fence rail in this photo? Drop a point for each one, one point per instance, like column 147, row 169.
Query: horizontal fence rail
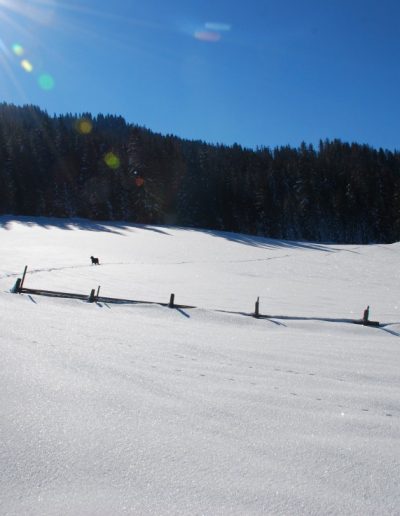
column 93, row 297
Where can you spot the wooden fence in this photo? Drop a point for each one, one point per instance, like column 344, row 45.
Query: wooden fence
column 95, row 297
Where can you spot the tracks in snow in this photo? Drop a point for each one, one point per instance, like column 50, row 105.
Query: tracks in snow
column 52, row 269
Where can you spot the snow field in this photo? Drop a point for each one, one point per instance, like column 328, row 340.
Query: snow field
column 141, row 409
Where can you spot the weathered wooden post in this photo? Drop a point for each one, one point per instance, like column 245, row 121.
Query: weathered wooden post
column 366, row 316
column 23, row 278
column 91, row 298
column 15, row 289
column 257, row 308
column 171, row 301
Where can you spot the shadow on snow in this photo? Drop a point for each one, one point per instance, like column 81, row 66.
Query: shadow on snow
column 121, row 228
column 71, row 224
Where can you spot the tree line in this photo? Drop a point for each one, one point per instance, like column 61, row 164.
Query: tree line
column 106, row 169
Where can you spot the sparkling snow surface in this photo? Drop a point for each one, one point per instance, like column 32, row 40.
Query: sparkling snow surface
column 139, row 409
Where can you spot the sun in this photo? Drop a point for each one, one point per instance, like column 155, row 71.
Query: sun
column 20, row 21
column 39, row 11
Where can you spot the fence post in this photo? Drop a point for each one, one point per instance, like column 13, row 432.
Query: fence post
column 98, row 291
column 91, row 296
column 16, row 287
column 366, row 315
column 171, row 301
column 23, row 278
column 257, row 308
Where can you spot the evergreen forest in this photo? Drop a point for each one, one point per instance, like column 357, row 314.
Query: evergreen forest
column 106, row 169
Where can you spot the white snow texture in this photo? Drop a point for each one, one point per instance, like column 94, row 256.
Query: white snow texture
column 141, row 409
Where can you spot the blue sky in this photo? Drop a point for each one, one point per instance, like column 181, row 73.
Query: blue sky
column 258, row 73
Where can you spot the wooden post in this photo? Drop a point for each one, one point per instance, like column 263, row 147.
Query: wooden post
column 23, row 278
column 16, row 287
column 98, row 291
column 366, row 316
column 171, row 301
column 91, row 296
column 257, row 308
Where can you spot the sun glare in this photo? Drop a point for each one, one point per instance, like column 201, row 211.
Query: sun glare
column 25, row 45
column 21, row 19
column 39, row 11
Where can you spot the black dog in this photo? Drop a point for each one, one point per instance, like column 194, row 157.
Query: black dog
column 95, row 261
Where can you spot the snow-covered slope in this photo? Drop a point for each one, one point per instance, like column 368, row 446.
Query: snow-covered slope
column 140, row 409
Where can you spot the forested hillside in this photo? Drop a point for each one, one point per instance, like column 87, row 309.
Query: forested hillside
column 103, row 168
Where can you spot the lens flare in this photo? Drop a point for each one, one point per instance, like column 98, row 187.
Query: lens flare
column 112, row 161
column 46, row 82
column 27, row 65
column 211, row 32
column 207, row 35
column 217, row 26
column 84, row 126
column 18, row 49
